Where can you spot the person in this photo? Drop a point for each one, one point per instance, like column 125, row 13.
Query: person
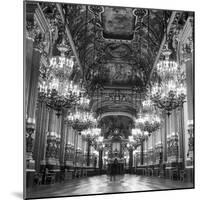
column 113, row 170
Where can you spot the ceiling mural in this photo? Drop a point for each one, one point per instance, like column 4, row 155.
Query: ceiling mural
column 116, row 48
column 118, row 23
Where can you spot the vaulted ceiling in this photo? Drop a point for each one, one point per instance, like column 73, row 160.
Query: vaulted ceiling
column 115, row 48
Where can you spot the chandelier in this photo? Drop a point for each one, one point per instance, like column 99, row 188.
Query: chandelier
column 171, row 92
column 148, row 123
column 55, row 88
column 132, row 142
column 81, row 120
column 167, row 68
column 62, row 65
column 59, row 95
column 147, row 104
column 92, row 133
column 169, row 95
column 139, row 135
column 83, row 102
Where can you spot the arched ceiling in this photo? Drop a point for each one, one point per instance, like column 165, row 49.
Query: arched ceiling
column 116, row 49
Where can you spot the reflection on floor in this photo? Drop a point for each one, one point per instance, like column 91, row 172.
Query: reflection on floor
column 103, row 184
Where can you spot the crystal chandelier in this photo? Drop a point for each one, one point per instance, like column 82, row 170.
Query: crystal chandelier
column 83, row 102
column 169, row 95
column 59, row 95
column 91, row 132
column 148, row 123
column 62, row 65
column 171, row 92
column 81, row 120
column 132, row 142
column 139, row 135
column 167, row 68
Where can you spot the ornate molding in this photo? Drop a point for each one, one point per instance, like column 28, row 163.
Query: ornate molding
column 116, row 114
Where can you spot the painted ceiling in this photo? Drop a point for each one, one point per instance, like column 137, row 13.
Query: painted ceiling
column 116, row 47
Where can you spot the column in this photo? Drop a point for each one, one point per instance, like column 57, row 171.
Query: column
column 130, row 158
column 31, row 107
column 100, row 158
column 40, row 122
column 51, row 142
column 63, row 140
column 164, row 139
column 88, row 151
column 142, row 152
column 44, row 138
column 29, row 54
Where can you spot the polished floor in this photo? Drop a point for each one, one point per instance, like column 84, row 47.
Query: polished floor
column 103, row 184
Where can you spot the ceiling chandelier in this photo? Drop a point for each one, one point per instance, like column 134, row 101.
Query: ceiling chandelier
column 92, row 133
column 132, row 143
column 148, row 123
column 167, row 68
column 81, row 120
column 170, row 93
column 138, row 135
column 62, row 65
column 59, row 95
column 83, row 102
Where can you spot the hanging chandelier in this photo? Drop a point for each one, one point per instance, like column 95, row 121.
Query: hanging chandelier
column 148, row 123
column 83, row 102
column 167, row 68
column 55, row 88
column 91, row 132
column 139, row 135
column 147, row 104
column 62, row 66
column 59, row 95
column 170, row 93
column 81, row 120
column 132, row 143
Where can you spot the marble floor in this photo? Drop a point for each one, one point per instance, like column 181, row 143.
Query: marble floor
column 103, row 184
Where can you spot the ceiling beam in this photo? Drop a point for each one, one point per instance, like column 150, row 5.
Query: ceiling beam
column 163, row 43
column 69, row 37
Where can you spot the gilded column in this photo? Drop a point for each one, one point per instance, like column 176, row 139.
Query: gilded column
column 63, row 140
column 51, row 142
column 31, row 108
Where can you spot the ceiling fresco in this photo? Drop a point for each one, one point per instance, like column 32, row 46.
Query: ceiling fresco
column 116, row 48
column 118, row 23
